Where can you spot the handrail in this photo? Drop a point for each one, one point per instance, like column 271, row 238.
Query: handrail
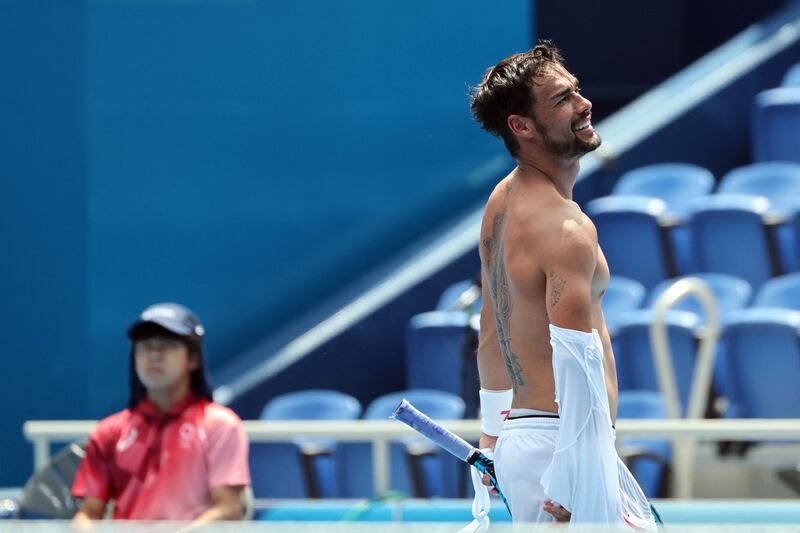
column 382, row 432
column 662, row 355
column 683, row 449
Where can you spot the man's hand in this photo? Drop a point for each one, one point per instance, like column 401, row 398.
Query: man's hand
column 558, row 512
column 487, row 441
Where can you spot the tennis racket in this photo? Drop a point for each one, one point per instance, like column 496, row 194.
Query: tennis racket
column 449, row 441
column 637, row 511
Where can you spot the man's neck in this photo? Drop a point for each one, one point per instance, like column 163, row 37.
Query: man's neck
column 165, row 399
column 560, row 172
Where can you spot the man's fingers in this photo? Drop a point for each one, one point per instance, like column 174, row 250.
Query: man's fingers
column 485, row 481
column 556, row 511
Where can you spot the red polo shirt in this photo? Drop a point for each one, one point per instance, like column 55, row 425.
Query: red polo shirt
column 161, row 466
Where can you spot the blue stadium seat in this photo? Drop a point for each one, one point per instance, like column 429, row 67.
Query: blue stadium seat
column 792, row 76
column 783, row 291
column 417, row 467
column 647, row 459
column 776, row 125
column 779, row 182
column 449, row 297
column 440, row 353
column 634, row 243
column 634, row 358
column 312, row 404
column 623, row 294
column 305, row 468
column 729, row 236
column 675, row 183
column 731, row 293
column 762, row 362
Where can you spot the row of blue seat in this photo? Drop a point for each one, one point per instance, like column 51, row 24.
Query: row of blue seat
column 325, row 468
column 732, row 293
column 661, row 221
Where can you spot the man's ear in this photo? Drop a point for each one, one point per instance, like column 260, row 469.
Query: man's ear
column 521, row 126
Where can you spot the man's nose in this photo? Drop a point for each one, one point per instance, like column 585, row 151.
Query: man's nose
column 584, row 106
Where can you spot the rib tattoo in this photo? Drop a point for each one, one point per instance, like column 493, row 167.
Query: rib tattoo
column 501, row 299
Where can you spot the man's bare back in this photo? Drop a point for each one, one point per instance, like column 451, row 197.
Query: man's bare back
column 528, row 230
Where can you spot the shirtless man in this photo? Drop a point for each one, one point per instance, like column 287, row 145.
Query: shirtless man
column 543, row 276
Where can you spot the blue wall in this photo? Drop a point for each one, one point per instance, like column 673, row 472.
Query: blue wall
column 43, row 309
column 245, row 158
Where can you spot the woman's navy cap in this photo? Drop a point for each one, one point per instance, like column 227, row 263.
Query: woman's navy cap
column 170, row 316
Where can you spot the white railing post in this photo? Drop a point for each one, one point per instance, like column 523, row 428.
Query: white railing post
column 380, row 465
column 684, row 449
column 41, row 452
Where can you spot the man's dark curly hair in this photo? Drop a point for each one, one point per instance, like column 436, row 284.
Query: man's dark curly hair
column 507, row 89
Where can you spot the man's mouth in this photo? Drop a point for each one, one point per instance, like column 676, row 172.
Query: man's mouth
column 583, row 125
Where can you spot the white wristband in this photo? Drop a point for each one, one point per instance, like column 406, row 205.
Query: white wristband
column 494, row 408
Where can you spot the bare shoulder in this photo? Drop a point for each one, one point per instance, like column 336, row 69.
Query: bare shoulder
column 560, row 232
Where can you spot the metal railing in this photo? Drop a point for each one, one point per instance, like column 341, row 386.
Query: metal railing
column 683, row 450
column 382, row 432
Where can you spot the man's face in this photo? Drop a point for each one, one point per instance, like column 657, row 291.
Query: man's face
column 561, row 116
column 162, row 362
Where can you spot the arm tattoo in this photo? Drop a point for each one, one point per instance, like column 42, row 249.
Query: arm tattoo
column 556, row 287
column 501, row 300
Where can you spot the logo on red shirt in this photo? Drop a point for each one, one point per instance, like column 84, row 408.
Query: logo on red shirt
column 186, row 434
column 130, row 438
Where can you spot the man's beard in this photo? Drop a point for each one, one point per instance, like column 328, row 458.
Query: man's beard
column 575, row 147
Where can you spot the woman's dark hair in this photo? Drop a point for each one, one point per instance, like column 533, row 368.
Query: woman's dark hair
column 507, row 89
column 199, row 382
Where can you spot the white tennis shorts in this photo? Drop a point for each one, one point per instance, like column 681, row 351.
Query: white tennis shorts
column 523, row 452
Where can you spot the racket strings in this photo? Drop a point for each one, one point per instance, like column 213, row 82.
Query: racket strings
column 635, row 506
